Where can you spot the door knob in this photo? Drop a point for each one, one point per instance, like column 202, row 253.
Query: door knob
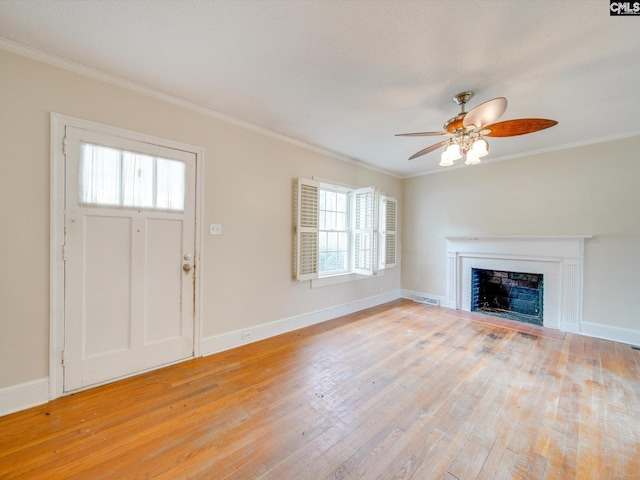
column 186, row 267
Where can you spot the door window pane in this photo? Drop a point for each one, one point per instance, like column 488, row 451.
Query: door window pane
column 100, row 175
column 113, row 177
column 170, row 184
column 137, row 180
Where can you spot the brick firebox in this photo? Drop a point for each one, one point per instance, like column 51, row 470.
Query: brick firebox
column 513, row 295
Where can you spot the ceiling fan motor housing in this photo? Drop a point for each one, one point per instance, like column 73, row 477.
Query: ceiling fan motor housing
column 455, row 123
column 462, row 98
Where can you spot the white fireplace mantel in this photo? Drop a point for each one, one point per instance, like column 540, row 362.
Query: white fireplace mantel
column 559, row 258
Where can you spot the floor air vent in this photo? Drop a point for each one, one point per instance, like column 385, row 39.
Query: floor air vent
column 426, row 300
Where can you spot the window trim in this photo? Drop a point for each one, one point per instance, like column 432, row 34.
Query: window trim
column 341, row 278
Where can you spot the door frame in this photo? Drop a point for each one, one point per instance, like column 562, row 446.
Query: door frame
column 59, row 123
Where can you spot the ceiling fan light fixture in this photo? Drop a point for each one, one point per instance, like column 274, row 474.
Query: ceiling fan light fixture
column 452, row 152
column 472, row 158
column 445, row 162
column 480, row 147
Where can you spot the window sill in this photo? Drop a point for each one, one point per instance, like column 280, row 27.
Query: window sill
column 341, row 278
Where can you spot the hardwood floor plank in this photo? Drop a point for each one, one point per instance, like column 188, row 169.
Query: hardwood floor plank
column 403, row 390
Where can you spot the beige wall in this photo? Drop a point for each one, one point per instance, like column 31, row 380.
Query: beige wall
column 246, row 272
column 585, row 190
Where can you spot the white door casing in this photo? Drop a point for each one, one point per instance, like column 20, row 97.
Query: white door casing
column 127, row 304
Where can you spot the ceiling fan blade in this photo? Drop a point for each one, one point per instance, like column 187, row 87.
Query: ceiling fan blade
column 420, row 134
column 485, row 113
column 521, row 126
column 433, row 147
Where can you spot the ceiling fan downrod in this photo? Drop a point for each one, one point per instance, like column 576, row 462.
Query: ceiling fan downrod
column 462, row 99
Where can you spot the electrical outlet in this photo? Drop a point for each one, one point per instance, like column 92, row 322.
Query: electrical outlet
column 215, row 229
column 245, row 335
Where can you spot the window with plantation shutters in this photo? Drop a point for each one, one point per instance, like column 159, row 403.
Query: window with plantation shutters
column 342, row 231
column 306, row 261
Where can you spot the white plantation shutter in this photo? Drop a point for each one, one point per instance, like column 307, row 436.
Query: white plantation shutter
column 306, row 254
column 390, row 232
column 382, row 217
column 364, row 231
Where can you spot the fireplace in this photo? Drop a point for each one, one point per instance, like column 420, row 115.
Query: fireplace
column 512, row 295
column 557, row 260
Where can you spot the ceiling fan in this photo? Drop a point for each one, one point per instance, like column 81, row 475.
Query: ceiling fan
column 467, row 130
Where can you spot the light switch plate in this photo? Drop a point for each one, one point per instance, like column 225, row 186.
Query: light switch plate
column 215, row 229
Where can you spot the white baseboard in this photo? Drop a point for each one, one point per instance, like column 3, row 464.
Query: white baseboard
column 570, row 328
column 24, row 395
column 412, row 294
column 608, row 332
column 226, row 341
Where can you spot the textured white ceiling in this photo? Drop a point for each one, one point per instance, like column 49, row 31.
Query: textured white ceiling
column 347, row 75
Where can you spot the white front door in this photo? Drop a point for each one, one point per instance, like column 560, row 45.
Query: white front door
column 129, row 257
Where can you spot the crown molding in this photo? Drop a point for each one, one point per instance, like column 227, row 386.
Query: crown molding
column 96, row 74
column 540, row 151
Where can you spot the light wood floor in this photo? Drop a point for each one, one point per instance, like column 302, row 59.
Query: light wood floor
column 401, row 391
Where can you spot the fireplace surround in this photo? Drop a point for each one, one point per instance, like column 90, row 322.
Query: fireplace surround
column 558, row 258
